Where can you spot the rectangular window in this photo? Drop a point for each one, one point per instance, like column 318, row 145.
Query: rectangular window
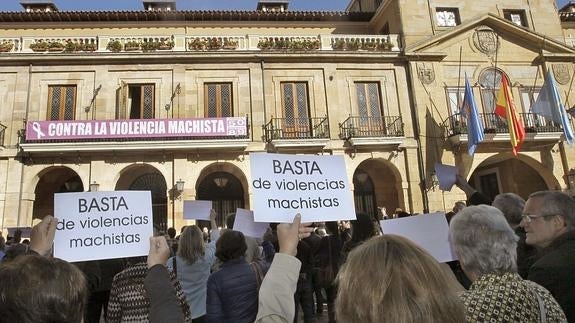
column 516, row 16
column 295, row 107
column 136, row 101
column 455, row 97
column 447, row 17
column 218, row 100
column 61, row 102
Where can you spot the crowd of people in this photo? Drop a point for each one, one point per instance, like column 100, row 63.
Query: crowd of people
column 516, row 264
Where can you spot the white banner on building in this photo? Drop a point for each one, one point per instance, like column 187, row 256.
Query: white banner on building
column 102, row 225
column 314, row 186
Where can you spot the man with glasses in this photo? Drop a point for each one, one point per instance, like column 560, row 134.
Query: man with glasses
column 549, row 223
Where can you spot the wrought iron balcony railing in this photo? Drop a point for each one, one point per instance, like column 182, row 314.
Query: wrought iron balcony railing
column 492, row 123
column 298, row 128
column 361, row 127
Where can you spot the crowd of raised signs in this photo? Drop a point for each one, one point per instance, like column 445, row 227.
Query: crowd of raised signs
column 516, row 264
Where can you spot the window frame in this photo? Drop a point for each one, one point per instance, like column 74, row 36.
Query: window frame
column 62, row 109
column 507, row 14
column 453, row 10
column 218, row 99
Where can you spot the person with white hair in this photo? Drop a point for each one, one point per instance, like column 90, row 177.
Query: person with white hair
column 486, row 246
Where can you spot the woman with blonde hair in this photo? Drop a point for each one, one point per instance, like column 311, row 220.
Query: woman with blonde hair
column 192, row 265
column 390, row 279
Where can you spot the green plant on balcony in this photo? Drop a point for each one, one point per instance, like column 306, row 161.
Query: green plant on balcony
column 39, row 46
column 281, row 43
column 55, row 46
column 149, row 46
column 165, row 44
column 339, row 44
column 89, row 47
column 214, row 43
column 114, row 46
column 312, row 44
column 230, row 44
column 71, row 46
column 197, row 44
column 132, row 45
column 6, row 46
column 265, row 44
column 353, row 44
column 369, row 45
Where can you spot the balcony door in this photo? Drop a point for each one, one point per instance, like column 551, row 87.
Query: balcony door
column 218, row 100
column 369, row 109
column 295, row 108
column 136, row 101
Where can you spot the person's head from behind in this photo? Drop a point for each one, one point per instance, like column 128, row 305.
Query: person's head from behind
column 230, row 219
column 171, row 233
column 36, row 289
column 389, row 279
column 511, row 205
column 15, row 250
column 231, row 245
column 362, row 227
column 458, row 206
column 546, row 216
column 483, row 241
column 191, row 244
column 332, row 228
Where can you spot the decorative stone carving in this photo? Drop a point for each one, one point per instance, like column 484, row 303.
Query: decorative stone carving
column 485, row 40
column 425, row 73
column 561, row 72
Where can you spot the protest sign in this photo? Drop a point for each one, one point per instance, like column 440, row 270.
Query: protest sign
column 102, row 225
column 24, row 231
column 446, row 175
column 244, row 222
column 197, row 210
column 314, row 186
column 428, row 231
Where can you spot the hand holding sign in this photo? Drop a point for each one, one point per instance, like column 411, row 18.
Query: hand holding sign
column 42, row 237
column 159, row 251
column 290, row 234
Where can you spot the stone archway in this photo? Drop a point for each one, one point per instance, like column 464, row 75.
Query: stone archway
column 148, row 178
column 377, row 183
column 225, row 185
column 54, row 180
column 502, row 174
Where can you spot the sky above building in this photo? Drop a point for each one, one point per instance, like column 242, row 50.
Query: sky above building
column 88, row 5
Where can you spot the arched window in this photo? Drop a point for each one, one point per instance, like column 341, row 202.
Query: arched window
column 489, row 80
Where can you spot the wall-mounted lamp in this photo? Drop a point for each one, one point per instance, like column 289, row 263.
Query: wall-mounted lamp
column 180, row 186
column 221, row 182
column 94, row 187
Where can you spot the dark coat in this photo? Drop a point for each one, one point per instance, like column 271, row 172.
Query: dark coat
column 555, row 270
column 233, row 293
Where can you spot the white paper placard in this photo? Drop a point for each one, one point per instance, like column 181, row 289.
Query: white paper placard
column 102, row 225
column 314, row 186
column 428, row 231
column 244, row 222
column 197, row 210
column 446, row 176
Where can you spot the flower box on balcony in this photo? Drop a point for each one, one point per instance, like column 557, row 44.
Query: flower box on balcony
column 55, row 46
column 6, row 47
column 197, row 44
column 149, row 46
column 131, row 46
column 89, row 47
column 39, row 46
column 114, row 46
column 165, row 44
column 230, row 44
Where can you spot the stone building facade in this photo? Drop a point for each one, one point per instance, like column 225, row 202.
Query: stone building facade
column 377, row 84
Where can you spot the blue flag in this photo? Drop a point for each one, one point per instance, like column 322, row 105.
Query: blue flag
column 474, row 125
column 549, row 105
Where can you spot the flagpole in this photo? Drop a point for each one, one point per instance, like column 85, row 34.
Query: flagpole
column 533, row 90
column 459, row 87
column 495, row 73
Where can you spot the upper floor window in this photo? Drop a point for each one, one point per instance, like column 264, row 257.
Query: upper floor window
column 295, row 108
column 447, row 17
column 455, row 97
column 61, row 102
column 218, row 100
column 136, row 101
column 516, row 16
column 489, row 81
column 368, row 99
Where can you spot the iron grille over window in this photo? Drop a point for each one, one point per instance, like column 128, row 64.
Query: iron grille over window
column 218, row 100
column 62, row 102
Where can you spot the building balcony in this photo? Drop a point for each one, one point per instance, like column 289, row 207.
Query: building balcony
column 297, row 132
column 135, row 135
column 372, row 131
column 495, row 128
column 200, row 43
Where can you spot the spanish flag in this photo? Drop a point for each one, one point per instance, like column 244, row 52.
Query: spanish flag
column 505, row 108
